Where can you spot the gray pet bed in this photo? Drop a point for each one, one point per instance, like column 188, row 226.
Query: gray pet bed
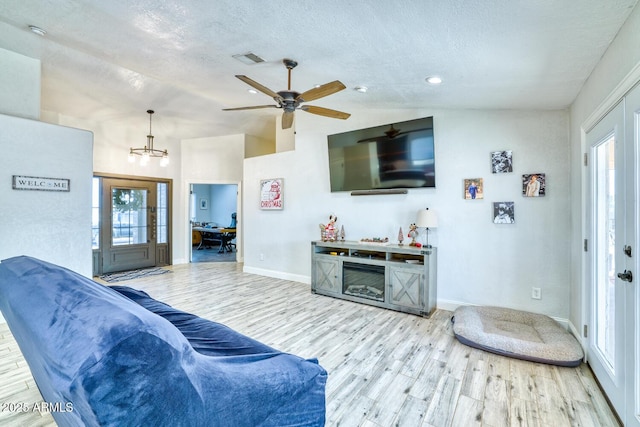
column 514, row 333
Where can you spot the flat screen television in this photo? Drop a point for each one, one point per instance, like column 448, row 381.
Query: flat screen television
column 397, row 155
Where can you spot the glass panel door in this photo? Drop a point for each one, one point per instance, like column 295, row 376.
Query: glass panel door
column 128, row 224
column 609, row 203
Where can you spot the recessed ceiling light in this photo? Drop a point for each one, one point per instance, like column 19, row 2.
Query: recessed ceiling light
column 434, row 80
column 252, row 91
column 361, row 89
column 37, row 30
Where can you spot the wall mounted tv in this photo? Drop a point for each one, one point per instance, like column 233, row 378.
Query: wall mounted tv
column 397, row 155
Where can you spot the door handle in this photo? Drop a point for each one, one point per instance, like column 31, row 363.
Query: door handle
column 626, row 276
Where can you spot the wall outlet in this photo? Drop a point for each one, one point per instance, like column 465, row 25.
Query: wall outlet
column 536, row 293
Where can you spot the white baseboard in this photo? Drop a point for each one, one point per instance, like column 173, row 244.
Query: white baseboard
column 278, row 274
column 574, row 331
column 2, row 319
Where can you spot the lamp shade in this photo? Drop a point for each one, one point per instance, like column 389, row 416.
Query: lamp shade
column 426, row 219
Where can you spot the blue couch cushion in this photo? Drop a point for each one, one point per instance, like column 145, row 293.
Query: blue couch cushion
column 120, row 364
column 206, row 337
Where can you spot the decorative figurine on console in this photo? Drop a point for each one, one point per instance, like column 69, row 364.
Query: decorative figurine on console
column 413, row 233
column 400, row 237
column 328, row 232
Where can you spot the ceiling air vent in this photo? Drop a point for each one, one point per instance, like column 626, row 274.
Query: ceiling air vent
column 249, row 58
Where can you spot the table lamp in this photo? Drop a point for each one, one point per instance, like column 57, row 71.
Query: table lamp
column 426, row 219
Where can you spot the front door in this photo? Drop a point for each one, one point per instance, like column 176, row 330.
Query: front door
column 129, row 224
column 613, row 293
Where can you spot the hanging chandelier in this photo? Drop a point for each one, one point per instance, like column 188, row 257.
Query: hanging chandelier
column 148, row 151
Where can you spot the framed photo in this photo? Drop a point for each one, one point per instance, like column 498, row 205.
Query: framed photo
column 503, row 213
column 502, row 161
column 271, row 195
column 534, row 185
column 204, row 203
column 473, row 188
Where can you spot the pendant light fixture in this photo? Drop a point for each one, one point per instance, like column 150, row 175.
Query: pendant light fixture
column 148, row 151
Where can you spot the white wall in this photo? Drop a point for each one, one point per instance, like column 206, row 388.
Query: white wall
column 52, row 226
column 615, row 74
column 19, row 85
column 478, row 262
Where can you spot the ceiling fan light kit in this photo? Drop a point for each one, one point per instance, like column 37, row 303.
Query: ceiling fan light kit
column 289, row 100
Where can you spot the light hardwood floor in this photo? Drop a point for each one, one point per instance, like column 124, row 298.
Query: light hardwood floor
column 385, row 368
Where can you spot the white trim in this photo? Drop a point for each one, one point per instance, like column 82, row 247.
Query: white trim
column 628, row 82
column 278, row 275
column 578, row 336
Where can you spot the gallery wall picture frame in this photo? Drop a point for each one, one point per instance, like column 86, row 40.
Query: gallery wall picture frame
column 473, row 189
column 504, row 213
column 534, row 184
column 272, row 194
column 502, row 161
column 204, row 204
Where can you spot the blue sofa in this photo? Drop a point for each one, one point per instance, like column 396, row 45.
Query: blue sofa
column 106, row 356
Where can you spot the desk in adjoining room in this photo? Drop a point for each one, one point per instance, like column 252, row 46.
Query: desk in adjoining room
column 210, row 235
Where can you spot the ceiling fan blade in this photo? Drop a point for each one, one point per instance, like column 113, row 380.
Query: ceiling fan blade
column 322, row 91
column 287, row 119
column 321, row 111
column 260, row 87
column 255, row 107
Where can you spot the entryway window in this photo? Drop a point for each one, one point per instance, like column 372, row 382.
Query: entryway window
column 95, row 214
column 163, row 212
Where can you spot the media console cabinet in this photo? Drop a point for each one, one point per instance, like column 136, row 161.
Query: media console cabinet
column 401, row 278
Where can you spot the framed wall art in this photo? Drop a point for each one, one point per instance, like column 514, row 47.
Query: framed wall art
column 502, row 161
column 504, row 212
column 473, row 188
column 534, row 185
column 204, row 203
column 271, row 194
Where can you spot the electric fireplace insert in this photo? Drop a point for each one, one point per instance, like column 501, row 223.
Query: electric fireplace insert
column 363, row 280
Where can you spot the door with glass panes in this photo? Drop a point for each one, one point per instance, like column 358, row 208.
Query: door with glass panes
column 613, row 294
column 132, row 232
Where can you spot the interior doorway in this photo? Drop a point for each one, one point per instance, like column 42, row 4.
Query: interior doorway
column 213, row 217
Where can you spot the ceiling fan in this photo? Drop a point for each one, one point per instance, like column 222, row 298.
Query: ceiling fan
column 290, row 100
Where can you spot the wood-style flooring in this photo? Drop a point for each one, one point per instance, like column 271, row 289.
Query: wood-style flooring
column 385, row 368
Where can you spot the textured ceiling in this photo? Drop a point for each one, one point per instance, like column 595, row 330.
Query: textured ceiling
column 109, row 61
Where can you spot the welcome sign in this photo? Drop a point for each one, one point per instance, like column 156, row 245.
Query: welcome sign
column 40, row 184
